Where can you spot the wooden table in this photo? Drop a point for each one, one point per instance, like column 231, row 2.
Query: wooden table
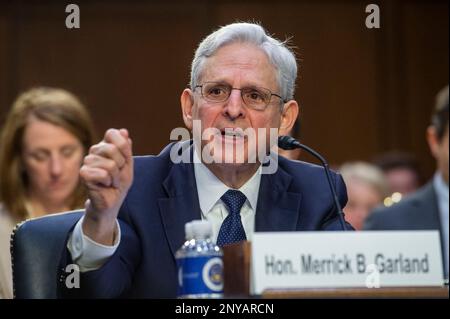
column 393, row 292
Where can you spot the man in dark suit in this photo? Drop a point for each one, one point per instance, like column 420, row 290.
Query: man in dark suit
column 427, row 209
column 242, row 80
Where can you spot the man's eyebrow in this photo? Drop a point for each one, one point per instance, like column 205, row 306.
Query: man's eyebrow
column 218, row 82
column 224, row 82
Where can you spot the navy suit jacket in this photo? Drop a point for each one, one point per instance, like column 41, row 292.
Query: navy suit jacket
column 419, row 211
column 163, row 197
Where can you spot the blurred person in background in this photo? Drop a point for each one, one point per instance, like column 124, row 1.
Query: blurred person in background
column 44, row 139
column 366, row 189
column 426, row 209
column 401, row 170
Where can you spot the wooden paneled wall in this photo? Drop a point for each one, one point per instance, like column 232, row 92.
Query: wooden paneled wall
column 362, row 91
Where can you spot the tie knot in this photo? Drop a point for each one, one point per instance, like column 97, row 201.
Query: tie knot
column 234, row 200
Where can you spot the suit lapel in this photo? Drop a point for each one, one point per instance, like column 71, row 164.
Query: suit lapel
column 277, row 209
column 181, row 204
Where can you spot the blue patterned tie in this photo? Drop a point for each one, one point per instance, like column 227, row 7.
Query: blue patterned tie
column 232, row 230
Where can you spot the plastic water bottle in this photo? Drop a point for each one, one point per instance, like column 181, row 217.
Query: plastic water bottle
column 182, row 253
column 200, row 265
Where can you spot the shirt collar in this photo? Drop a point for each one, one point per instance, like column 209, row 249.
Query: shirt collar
column 210, row 189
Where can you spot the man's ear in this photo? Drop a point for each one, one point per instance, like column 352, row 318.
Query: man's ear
column 187, row 104
column 433, row 141
column 289, row 115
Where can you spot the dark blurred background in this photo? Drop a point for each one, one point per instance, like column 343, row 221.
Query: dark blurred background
column 362, row 91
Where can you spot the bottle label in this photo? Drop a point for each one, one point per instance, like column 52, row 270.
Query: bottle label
column 200, row 275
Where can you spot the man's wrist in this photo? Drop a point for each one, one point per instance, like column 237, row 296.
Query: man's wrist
column 101, row 230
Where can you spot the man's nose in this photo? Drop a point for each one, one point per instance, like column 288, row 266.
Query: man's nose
column 234, row 108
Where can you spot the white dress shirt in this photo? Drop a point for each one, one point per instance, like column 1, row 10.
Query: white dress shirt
column 210, row 189
column 87, row 253
column 90, row 255
column 441, row 188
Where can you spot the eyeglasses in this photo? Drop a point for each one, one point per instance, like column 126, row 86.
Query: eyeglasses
column 257, row 98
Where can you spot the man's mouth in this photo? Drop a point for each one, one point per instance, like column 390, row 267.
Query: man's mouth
column 232, row 132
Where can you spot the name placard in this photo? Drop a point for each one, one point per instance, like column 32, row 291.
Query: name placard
column 370, row 259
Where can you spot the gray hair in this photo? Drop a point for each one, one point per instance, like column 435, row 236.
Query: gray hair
column 280, row 55
column 366, row 173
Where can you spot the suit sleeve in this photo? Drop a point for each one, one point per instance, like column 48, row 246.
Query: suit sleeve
column 88, row 254
column 379, row 219
column 332, row 222
column 114, row 278
column 371, row 222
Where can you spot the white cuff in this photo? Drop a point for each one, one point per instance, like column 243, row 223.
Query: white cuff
column 88, row 254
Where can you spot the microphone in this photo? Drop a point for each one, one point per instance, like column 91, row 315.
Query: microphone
column 290, row 143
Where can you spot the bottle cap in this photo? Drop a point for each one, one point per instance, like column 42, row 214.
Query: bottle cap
column 188, row 231
column 201, row 229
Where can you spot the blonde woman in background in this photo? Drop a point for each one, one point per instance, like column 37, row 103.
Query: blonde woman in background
column 43, row 142
column 366, row 189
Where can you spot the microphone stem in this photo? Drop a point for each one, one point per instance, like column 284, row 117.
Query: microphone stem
column 327, row 172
